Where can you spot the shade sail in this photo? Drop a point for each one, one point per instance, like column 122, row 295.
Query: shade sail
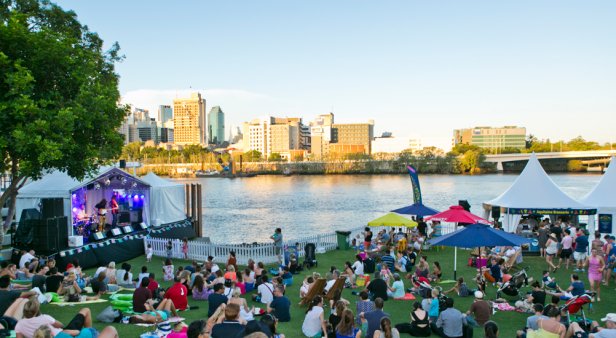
column 416, row 209
column 535, row 192
column 457, row 214
column 392, row 220
column 476, row 235
column 603, row 195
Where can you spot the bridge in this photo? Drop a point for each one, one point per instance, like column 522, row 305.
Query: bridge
column 600, row 157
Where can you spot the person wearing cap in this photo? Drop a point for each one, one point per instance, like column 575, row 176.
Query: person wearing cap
column 397, row 288
column 480, row 310
column 576, row 331
column 551, row 248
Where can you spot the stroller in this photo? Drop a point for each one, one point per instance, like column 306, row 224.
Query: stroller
column 310, row 258
column 512, row 287
column 575, row 305
column 425, row 290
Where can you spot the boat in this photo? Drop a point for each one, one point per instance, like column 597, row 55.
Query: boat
column 207, row 173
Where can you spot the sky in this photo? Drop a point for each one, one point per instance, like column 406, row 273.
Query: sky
column 419, row 69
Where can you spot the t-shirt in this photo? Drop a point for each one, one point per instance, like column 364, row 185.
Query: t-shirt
column 399, row 289
column 578, row 288
column 567, row 242
column 27, row 326
column 25, row 258
column 358, row 267
column 374, row 320
column 266, row 290
column 98, row 286
column 389, row 260
column 581, row 244
column 531, row 322
column 481, row 310
column 606, row 333
column 378, row 288
column 178, row 295
column 282, row 308
column 7, row 298
column 140, row 296
column 277, row 239
column 141, row 276
column 312, row 322
column 538, row 297
column 495, row 271
column 214, row 300
column 228, row 328
column 181, row 334
column 99, row 270
column 153, row 286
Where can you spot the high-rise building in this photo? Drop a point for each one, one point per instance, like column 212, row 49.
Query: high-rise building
column 165, row 113
column 491, row 138
column 354, row 134
column 321, row 135
column 216, row 125
column 139, row 127
column 328, row 137
column 189, row 120
column 269, row 135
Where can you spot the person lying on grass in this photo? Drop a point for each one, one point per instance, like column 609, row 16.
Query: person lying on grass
column 153, row 316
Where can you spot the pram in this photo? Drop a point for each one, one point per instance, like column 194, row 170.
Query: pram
column 425, row 290
column 310, row 258
column 512, row 287
column 575, row 305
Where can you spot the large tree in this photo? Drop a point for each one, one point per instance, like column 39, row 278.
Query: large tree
column 59, row 98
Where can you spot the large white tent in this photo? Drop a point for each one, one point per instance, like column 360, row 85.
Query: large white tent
column 535, row 192
column 167, row 200
column 603, row 197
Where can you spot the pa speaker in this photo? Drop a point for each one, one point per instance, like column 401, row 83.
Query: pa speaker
column 127, row 229
column 122, row 164
column 116, row 232
column 495, row 212
column 97, row 236
column 52, row 207
column 143, row 226
column 464, row 204
column 124, row 217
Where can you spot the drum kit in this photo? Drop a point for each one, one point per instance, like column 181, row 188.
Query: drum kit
column 86, row 225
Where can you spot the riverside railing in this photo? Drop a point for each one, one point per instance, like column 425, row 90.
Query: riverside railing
column 259, row 252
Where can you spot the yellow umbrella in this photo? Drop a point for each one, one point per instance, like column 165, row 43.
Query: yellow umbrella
column 392, row 220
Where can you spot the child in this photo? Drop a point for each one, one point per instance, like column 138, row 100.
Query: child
column 460, row 288
column 434, row 311
column 169, row 249
column 185, row 247
column 149, row 252
column 385, row 272
column 548, row 282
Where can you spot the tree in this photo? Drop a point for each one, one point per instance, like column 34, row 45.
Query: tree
column 275, row 157
column 59, row 103
column 252, row 156
column 132, row 151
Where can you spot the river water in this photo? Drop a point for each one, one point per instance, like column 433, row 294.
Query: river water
column 249, row 209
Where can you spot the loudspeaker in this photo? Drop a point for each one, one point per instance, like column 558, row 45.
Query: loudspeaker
column 122, row 164
column 127, row 229
column 495, row 212
column 51, row 235
column 464, row 204
column 52, row 207
column 116, row 231
column 124, row 217
column 97, row 236
column 143, row 226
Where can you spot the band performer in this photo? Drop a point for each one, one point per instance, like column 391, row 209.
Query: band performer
column 115, row 208
column 102, row 214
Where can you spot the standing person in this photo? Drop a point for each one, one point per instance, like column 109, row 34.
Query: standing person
column 597, row 244
column 566, row 249
column 115, row 209
column 314, row 323
column 610, row 258
column 551, row 248
column 101, row 212
column 277, row 237
column 542, row 237
column 581, row 249
column 367, row 238
column 185, row 247
column 169, row 249
column 595, row 264
column 149, row 252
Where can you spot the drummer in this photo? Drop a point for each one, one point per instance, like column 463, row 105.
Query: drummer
column 81, row 213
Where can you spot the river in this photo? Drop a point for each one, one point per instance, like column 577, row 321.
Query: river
column 249, row 209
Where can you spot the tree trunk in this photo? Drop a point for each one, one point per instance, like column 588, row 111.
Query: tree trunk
column 17, row 182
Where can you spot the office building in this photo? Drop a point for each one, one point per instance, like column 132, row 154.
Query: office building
column 165, row 113
column 491, row 138
column 329, row 138
column 269, row 135
column 189, row 120
column 354, row 134
column 216, row 125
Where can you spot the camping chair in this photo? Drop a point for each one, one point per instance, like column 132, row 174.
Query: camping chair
column 338, row 285
column 316, row 290
column 310, row 258
column 512, row 261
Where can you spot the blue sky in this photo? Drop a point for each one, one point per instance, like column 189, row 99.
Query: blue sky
column 418, row 68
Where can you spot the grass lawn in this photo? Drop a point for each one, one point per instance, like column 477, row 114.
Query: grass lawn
column 508, row 322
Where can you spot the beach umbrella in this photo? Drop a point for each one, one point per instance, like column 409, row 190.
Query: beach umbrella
column 392, row 220
column 456, row 214
column 478, row 235
column 416, row 209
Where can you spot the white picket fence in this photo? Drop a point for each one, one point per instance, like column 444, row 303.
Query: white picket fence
column 260, row 252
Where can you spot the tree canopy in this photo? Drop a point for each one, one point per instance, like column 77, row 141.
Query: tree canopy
column 58, row 94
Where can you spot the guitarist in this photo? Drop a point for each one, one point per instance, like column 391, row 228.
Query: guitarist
column 115, row 208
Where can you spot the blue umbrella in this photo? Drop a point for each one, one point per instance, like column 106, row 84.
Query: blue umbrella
column 478, row 235
column 416, row 209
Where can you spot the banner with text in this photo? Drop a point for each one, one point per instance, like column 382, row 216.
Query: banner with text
column 415, row 182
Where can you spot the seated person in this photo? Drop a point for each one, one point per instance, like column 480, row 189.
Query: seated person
column 460, row 288
column 153, row 316
column 548, row 282
column 33, row 319
column 396, row 290
column 576, row 288
column 609, row 331
column 100, row 287
column 303, row 291
column 124, row 276
column 12, row 301
column 141, row 296
column 69, row 288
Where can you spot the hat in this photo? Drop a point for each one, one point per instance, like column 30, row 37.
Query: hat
column 610, row 316
column 553, row 235
column 478, row 294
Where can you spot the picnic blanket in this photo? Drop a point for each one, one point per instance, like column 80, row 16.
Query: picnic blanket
column 407, row 296
column 63, row 303
column 168, row 321
column 447, row 281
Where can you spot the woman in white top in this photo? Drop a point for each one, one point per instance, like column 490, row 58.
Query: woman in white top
column 551, row 249
column 245, row 311
column 358, row 266
column 314, row 324
column 111, row 273
column 385, row 330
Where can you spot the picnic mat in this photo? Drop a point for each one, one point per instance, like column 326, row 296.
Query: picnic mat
column 447, row 281
column 407, row 296
column 63, row 303
column 168, row 321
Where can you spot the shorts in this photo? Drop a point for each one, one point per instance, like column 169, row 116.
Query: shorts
column 76, row 323
column 566, row 253
column 277, row 250
column 86, row 332
column 579, row 256
column 162, row 313
column 580, row 334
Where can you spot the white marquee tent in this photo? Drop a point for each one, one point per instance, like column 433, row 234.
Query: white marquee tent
column 167, row 200
column 534, row 192
column 603, row 197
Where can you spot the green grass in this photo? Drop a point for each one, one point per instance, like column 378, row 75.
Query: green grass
column 508, row 322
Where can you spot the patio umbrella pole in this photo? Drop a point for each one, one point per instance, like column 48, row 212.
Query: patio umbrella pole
column 455, row 258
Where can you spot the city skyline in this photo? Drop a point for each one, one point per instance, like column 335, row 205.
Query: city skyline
column 419, row 70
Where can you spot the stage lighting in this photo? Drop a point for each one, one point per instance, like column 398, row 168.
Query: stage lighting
column 124, row 181
column 134, row 185
column 107, row 182
column 97, row 186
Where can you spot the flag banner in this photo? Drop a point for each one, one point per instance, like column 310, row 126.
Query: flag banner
column 415, row 182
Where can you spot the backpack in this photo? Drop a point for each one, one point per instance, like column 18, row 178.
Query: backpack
column 369, row 266
column 410, row 262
